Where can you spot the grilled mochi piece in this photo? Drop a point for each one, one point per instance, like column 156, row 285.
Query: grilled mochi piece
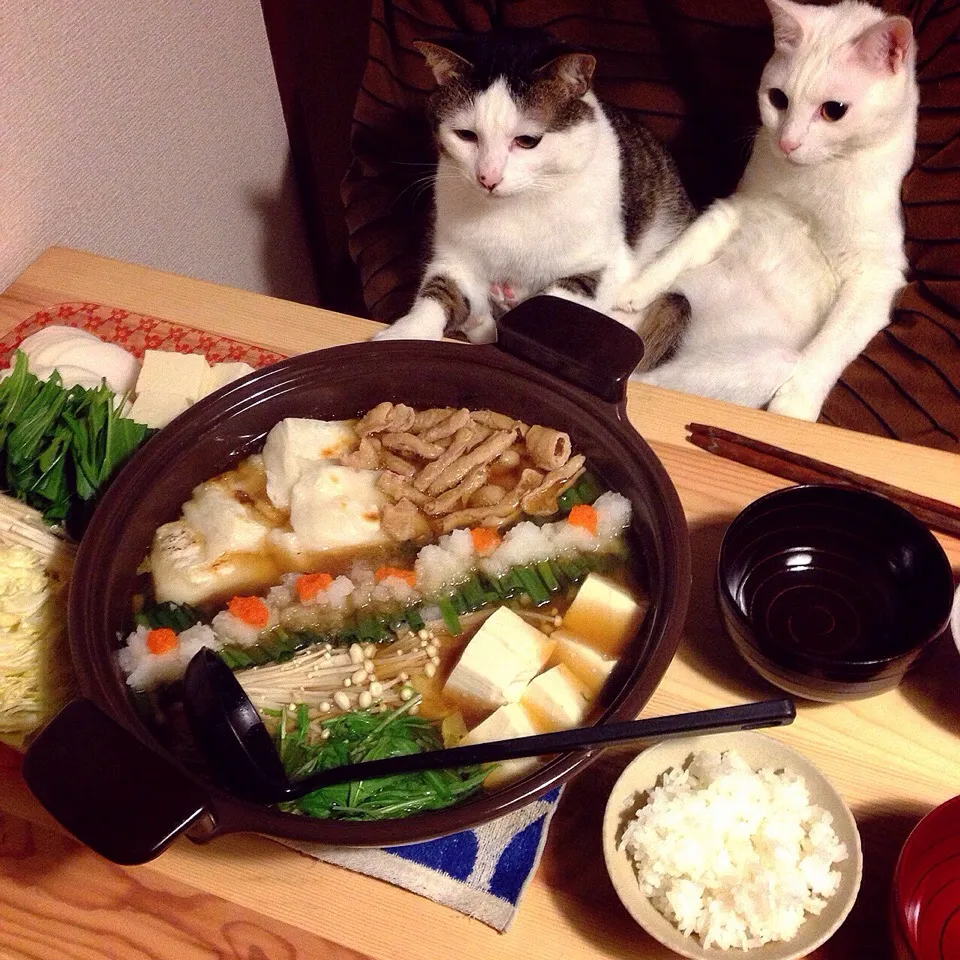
column 182, row 574
column 334, row 507
column 505, row 723
column 500, row 660
column 603, row 614
column 296, row 444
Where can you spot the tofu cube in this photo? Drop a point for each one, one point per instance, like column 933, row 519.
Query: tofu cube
column 220, row 374
column 556, row 700
column 179, row 374
column 500, row 660
column 294, row 445
column 334, row 507
column 603, row 614
column 504, row 724
column 588, row 665
column 156, row 410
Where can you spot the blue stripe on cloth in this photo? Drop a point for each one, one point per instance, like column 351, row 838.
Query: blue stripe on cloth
column 480, row 872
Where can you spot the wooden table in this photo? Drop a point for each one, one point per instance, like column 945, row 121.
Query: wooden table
column 893, row 757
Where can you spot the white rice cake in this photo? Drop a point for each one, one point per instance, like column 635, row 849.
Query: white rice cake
column 506, row 723
column 604, row 614
column 556, row 700
column 504, row 655
column 225, row 524
column 180, row 374
column 182, row 574
column 220, row 374
column 156, row 410
column 588, row 665
column 296, row 443
column 335, row 508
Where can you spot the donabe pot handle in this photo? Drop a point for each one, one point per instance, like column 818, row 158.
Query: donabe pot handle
column 107, row 788
column 573, row 342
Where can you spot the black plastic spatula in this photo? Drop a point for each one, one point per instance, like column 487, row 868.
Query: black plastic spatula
column 238, row 745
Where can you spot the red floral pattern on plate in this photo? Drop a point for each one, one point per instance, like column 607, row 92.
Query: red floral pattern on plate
column 136, row 333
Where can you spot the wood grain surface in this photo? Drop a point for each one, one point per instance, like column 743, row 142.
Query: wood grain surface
column 893, row 757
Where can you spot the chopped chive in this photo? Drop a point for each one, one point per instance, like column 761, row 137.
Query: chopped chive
column 533, row 585
column 450, row 618
column 546, row 575
column 414, row 619
column 459, row 604
column 588, row 488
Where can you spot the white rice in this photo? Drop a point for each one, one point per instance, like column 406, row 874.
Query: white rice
column 146, row 670
column 734, row 856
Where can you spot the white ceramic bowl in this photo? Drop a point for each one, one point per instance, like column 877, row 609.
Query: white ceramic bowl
column 758, row 751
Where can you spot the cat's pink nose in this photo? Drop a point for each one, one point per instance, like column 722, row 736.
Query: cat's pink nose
column 488, row 180
column 788, row 146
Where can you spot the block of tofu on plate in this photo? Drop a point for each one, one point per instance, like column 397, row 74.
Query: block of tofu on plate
column 498, row 663
column 296, row 444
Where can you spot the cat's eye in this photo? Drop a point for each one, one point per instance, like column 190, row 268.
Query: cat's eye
column 467, row 135
column 833, row 110
column 526, row 142
column 778, row 98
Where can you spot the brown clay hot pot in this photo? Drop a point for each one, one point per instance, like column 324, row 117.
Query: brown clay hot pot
column 340, row 383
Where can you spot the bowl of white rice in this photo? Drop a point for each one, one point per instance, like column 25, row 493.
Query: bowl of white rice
column 731, row 843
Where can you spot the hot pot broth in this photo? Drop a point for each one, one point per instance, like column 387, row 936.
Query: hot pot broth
column 404, row 581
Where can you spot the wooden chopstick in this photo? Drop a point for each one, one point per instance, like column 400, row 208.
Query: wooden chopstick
column 802, row 469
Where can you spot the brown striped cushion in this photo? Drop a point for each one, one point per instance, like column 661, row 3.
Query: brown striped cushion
column 689, row 70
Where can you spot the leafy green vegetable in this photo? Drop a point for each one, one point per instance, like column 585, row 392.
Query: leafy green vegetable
column 59, row 446
column 362, row 735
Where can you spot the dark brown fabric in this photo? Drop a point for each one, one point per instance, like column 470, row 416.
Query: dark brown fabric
column 689, row 69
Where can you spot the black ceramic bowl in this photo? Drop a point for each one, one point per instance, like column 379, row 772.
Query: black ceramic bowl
column 831, row 593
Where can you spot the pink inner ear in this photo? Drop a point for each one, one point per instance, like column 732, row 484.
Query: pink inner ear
column 884, row 47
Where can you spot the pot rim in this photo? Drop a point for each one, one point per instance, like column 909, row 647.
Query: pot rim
column 230, row 813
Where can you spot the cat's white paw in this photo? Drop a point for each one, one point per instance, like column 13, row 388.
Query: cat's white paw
column 636, row 295
column 793, row 399
column 401, row 330
column 481, row 329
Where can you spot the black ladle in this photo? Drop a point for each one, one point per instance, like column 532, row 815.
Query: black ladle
column 238, row 745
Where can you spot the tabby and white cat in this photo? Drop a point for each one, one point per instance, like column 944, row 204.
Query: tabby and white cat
column 539, row 186
column 790, row 277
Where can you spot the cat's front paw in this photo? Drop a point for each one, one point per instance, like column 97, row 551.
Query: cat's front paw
column 402, row 330
column 796, row 400
column 636, row 295
column 482, row 329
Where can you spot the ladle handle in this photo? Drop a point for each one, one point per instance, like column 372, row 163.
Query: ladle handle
column 748, row 716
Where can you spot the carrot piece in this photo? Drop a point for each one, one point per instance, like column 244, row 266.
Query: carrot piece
column 310, row 584
column 161, row 640
column 251, row 610
column 383, row 572
column 583, row 515
column 485, row 539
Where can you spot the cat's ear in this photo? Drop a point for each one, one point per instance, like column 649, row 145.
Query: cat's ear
column 787, row 25
column 445, row 64
column 571, row 72
column 884, row 47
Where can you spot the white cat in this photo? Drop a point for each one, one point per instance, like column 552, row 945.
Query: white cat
column 790, row 277
column 539, row 186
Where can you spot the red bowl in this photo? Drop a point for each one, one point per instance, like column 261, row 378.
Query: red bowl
column 925, row 898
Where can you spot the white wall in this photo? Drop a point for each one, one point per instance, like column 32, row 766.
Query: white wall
column 150, row 131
